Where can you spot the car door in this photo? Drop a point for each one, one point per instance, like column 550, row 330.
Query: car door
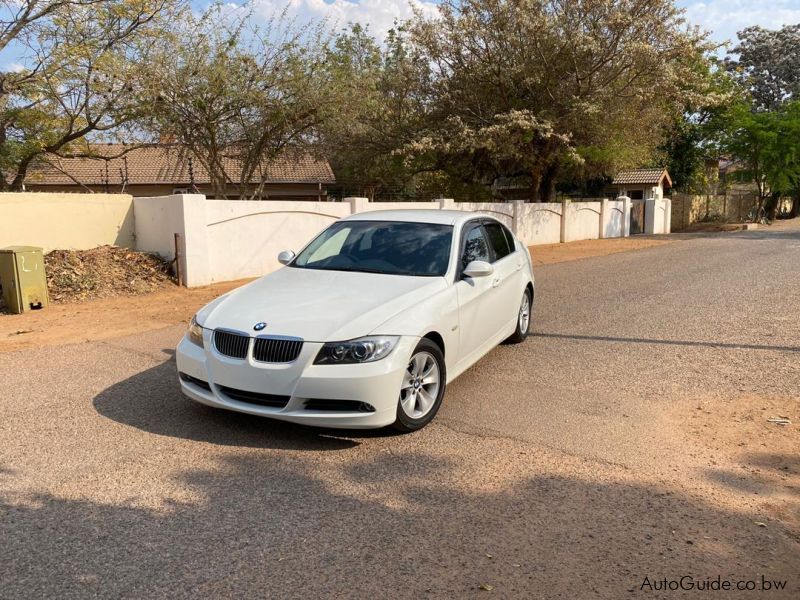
column 506, row 280
column 476, row 325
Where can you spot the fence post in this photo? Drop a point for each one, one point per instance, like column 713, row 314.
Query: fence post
column 668, row 215
column 179, row 260
column 564, row 218
column 447, row 204
column 357, row 205
column 603, row 215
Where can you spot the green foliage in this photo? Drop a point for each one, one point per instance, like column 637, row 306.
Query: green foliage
column 541, row 90
column 381, row 108
column 548, row 89
column 768, row 146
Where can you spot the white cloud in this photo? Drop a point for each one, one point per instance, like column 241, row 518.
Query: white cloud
column 725, row 17
column 380, row 15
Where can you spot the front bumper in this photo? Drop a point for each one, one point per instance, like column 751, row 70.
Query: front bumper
column 376, row 384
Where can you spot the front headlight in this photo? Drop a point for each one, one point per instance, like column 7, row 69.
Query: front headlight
column 195, row 332
column 366, row 349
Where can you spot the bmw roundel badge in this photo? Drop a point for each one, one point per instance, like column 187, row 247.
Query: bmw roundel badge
column 259, row 326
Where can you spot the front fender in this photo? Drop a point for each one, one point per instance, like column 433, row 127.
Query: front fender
column 438, row 313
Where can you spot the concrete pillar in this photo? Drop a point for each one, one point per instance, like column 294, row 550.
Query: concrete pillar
column 626, row 216
column 517, row 207
column 564, row 218
column 603, row 217
column 447, row 203
column 668, row 215
column 650, row 216
column 194, row 236
column 357, row 205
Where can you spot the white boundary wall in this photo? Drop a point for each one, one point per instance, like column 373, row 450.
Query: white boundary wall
column 223, row 240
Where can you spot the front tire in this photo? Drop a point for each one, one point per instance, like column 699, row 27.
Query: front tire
column 523, row 319
column 422, row 389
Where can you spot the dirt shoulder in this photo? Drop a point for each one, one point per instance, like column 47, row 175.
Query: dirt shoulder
column 747, row 445
column 547, row 254
column 125, row 315
column 107, row 318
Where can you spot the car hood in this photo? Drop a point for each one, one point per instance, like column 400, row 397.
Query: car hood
column 318, row 305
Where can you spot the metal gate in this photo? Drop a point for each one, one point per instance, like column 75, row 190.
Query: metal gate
column 637, row 216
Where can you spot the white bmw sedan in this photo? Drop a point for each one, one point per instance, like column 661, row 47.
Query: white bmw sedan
column 366, row 325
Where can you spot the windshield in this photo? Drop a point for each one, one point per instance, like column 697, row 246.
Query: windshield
column 390, row 247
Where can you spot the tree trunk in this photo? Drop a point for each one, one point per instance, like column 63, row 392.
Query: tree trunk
column 547, row 187
column 19, row 177
column 771, row 208
column 536, row 179
column 795, row 212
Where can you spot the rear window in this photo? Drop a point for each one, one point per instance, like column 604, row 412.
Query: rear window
column 498, row 240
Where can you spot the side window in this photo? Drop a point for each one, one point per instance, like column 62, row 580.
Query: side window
column 497, row 238
column 475, row 246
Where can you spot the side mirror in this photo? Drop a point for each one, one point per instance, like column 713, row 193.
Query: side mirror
column 478, row 268
column 286, row 257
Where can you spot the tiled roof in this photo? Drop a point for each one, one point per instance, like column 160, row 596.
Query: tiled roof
column 164, row 164
column 641, row 177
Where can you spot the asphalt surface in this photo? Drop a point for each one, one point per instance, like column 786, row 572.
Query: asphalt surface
column 562, row 467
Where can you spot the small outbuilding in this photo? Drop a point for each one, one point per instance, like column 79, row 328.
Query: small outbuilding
column 642, row 184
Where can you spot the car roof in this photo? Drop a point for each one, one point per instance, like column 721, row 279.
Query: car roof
column 439, row 217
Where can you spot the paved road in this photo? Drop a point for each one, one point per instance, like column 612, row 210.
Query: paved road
column 564, row 467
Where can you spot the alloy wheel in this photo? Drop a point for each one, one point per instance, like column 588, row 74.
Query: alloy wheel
column 420, row 386
column 524, row 314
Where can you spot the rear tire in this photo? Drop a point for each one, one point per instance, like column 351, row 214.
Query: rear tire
column 422, row 389
column 523, row 319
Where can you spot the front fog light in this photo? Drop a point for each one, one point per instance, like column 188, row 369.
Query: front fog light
column 195, row 332
column 368, row 349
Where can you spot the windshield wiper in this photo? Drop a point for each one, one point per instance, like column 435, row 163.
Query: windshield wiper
column 367, row 270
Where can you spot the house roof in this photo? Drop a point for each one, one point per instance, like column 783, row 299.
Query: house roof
column 642, row 177
column 164, row 164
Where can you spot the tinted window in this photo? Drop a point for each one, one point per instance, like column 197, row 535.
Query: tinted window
column 475, row 246
column 497, row 239
column 390, row 247
column 511, row 243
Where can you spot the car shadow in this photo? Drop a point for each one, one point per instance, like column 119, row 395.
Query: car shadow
column 152, row 401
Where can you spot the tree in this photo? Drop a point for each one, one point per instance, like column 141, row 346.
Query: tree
column 768, row 145
column 767, row 64
column 238, row 97
column 691, row 146
column 18, row 17
column 84, row 62
column 541, row 88
column 382, row 93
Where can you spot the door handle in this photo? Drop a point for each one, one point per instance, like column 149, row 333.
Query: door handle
column 496, row 282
